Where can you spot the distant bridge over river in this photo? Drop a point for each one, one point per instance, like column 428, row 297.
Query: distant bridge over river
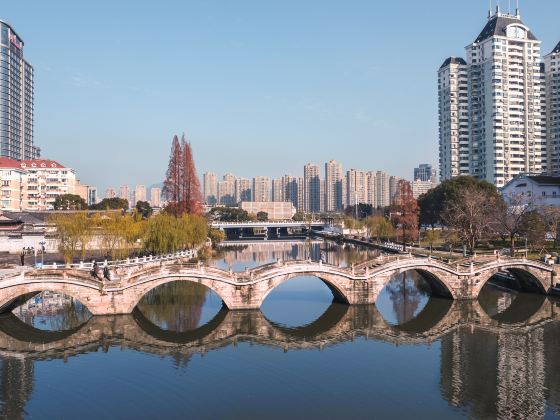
column 269, row 229
column 360, row 284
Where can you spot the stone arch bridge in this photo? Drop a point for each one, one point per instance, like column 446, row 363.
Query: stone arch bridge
column 360, row 284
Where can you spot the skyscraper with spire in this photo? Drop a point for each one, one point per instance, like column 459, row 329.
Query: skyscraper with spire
column 503, row 114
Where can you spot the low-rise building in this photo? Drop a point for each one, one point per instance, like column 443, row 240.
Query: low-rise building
column 535, row 189
column 283, row 210
column 35, row 184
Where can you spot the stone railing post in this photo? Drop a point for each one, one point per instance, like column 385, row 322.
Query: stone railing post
column 145, row 258
column 54, row 265
column 353, row 269
column 367, row 271
column 81, row 264
column 472, row 267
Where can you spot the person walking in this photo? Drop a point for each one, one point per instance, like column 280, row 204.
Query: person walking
column 95, row 270
column 22, row 259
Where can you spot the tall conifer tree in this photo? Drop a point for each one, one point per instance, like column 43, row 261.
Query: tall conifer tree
column 181, row 187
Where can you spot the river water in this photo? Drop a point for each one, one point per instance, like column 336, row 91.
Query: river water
column 180, row 354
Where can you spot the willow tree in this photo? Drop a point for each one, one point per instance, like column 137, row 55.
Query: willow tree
column 181, row 187
column 74, row 231
column 165, row 233
column 119, row 234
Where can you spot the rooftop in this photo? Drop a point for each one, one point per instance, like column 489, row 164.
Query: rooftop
column 545, row 179
column 497, row 25
column 453, row 60
column 13, row 30
column 29, row 164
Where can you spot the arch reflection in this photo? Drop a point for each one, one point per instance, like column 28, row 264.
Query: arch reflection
column 510, row 307
column 339, row 323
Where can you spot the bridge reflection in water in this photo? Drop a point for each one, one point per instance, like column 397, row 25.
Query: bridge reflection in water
column 509, row 352
column 498, row 358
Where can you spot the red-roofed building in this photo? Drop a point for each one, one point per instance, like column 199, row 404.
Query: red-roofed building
column 35, row 184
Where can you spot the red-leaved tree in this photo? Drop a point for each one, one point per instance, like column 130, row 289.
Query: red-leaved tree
column 181, row 187
column 407, row 211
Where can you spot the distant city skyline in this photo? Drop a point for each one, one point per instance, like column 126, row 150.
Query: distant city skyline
column 252, row 96
column 331, row 191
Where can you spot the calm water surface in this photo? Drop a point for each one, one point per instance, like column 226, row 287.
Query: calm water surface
column 181, row 354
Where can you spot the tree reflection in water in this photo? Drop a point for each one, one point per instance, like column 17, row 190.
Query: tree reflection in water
column 175, row 306
column 408, row 293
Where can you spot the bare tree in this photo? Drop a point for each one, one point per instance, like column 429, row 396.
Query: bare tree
column 511, row 218
column 471, row 215
column 551, row 216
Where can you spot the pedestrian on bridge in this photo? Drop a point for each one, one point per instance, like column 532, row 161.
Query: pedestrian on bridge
column 106, row 273
column 95, row 270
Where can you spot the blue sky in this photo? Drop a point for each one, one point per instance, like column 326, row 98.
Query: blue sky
column 259, row 87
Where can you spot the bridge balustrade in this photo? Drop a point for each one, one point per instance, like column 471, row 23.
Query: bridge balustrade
column 191, row 253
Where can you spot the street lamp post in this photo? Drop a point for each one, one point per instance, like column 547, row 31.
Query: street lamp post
column 42, row 243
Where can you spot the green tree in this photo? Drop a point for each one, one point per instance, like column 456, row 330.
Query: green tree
column 434, row 203
column 70, row 202
column 229, row 214
column 144, row 209
column 299, row 217
column 262, row 216
column 363, row 211
column 114, row 203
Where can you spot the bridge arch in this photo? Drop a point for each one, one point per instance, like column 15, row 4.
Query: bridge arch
column 524, row 278
column 137, row 291
column 436, row 278
column 13, row 296
column 333, row 282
